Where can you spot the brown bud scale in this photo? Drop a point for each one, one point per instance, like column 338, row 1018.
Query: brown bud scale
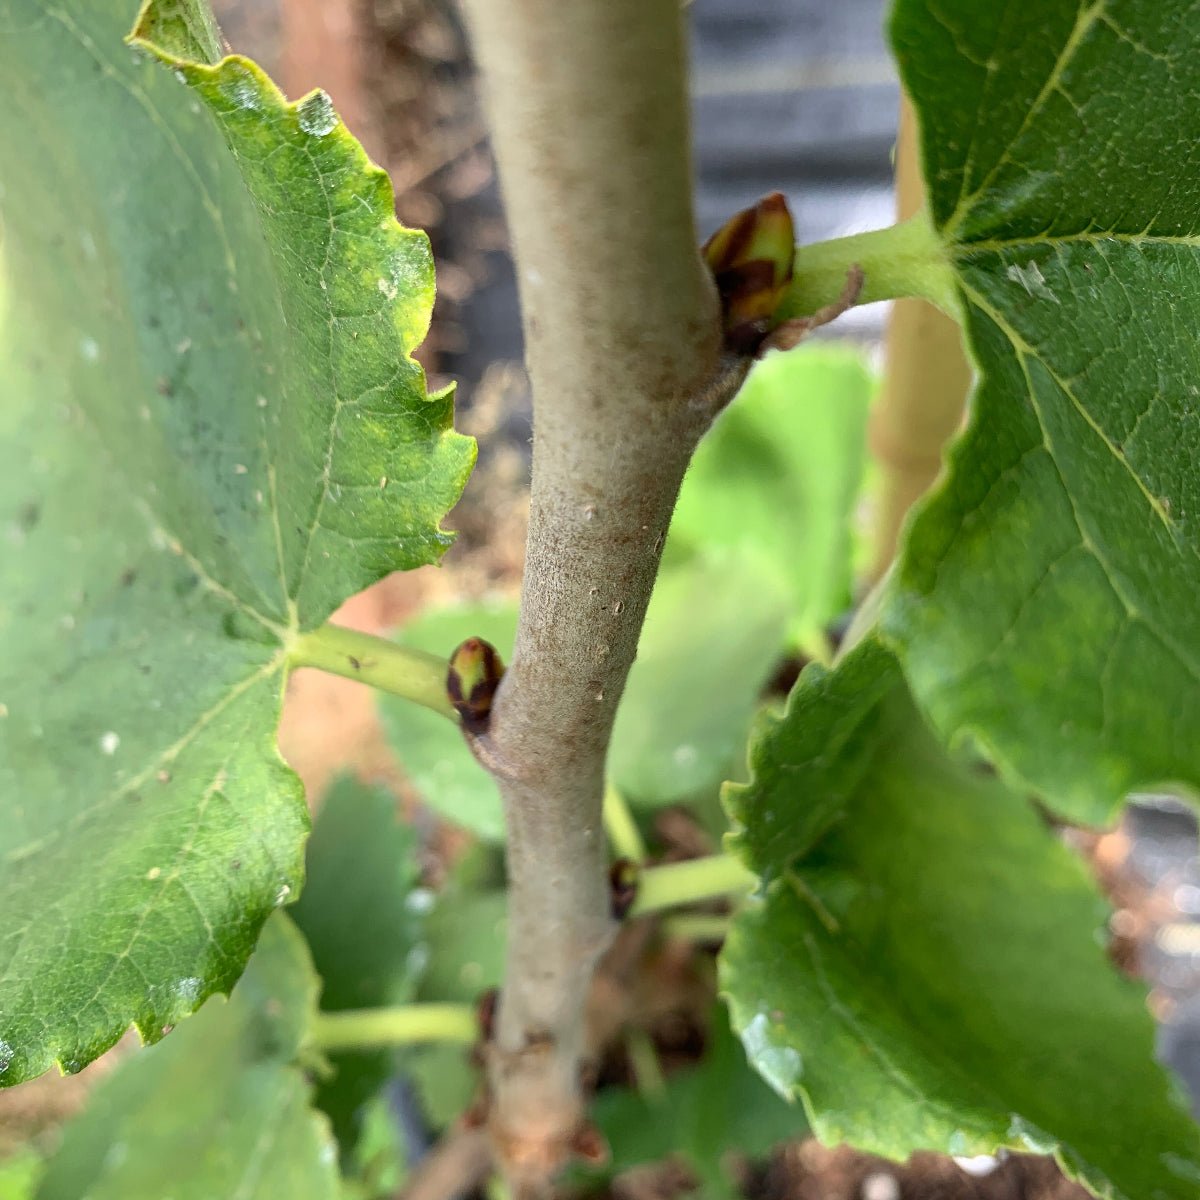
column 751, row 257
column 623, row 878
column 473, row 676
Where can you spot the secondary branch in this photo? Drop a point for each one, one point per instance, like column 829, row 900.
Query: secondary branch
column 906, row 259
column 406, row 1024
column 400, row 670
column 688, row 882
column 589, row 112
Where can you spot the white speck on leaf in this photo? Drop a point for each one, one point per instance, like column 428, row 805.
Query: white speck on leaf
column 285, row 890
column 780, row 1066
column 978, row 1165
column 239, row 86
column 685, row 756
column 89, row 348
column 316, row 115
column 880, row 1185
column 1030, row 277
column 1180, row 1167
column 109, row 742
column 117, row 1153
column 7, row 1054
column 188, row 989
column 153, row 873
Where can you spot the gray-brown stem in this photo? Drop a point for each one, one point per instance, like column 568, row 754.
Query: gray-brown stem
column 588, row 105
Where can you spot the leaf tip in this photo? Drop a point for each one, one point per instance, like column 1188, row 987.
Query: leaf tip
column 178, row 30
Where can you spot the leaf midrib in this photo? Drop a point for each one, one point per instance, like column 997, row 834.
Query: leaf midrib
column 1091, row 237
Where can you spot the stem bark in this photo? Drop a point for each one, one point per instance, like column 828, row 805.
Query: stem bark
column 589, row 111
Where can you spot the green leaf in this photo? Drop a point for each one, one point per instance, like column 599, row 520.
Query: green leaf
column 466, row 935
column 707, row 1112
column 819, row 752
column 714, row 630
column 1045, row 604
column 361, row 914
column 217, row 1109
column 778, row 476
column 931, row 973
column 380, row 1160
column 207, row 334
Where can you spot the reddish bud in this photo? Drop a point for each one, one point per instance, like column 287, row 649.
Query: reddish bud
column 587, row 1143
column 623, row 887
column 485, row 1013
column 750, row 257
column 476, row 1114
column 471, row 682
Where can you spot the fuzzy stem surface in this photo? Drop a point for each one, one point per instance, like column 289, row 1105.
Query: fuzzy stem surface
column 589, row 111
